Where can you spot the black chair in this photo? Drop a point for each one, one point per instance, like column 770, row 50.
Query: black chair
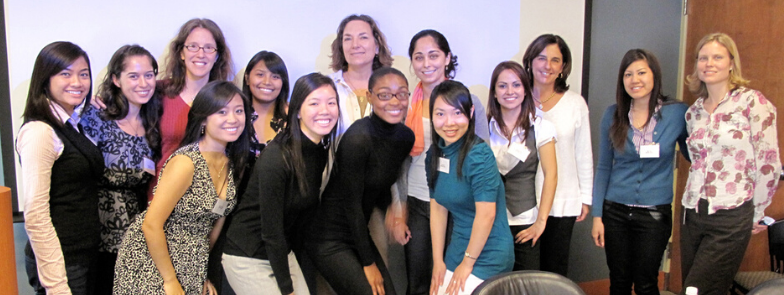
column 527, row 282
column 772, row 287
column 748, row 280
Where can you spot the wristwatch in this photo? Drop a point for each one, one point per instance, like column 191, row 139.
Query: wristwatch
column 469, row 255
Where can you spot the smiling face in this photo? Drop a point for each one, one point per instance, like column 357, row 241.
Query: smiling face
column 359, row 46
column 638, row 80
column 319, row 113
column 449, row 122
column 392, row 111
column 547, row 65
column 429, row 61
column 137, row 80
column 69, row 87
column 714, row 63
column 199, row 64
column 226, row 124
column 509, row 90
column 264, row 85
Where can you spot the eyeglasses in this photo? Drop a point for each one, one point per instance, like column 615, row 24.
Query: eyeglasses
column 384, row 96
column 206, row 49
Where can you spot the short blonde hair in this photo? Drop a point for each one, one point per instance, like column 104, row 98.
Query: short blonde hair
column 696, row 86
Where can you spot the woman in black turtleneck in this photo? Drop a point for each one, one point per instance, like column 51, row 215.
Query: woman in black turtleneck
column 367, row 164
column 282, row 195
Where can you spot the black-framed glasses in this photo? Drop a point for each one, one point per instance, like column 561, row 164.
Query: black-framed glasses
column 206, row 49
column 385, row 96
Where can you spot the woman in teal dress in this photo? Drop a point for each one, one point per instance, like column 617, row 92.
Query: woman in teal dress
column 463, row 179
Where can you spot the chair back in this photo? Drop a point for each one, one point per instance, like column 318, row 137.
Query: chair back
column 526, row 282
column 776, row 246
column 771, row 287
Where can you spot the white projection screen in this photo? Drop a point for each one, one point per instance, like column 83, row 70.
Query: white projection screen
column 480, row 33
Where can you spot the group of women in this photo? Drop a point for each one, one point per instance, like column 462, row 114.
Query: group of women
column 281, row 188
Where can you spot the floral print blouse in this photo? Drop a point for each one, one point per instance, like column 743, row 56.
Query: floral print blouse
column 734, row 153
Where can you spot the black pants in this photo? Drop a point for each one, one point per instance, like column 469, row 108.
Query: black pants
column 80, row 273
column 526, row 254
column 555, row 242
column 712, row 246
column 634, row 242
column 419, row 249
column 338, row 263
column 104, row 272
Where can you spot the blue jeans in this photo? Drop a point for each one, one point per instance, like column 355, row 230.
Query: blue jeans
column 78, row 273
column 634, row 242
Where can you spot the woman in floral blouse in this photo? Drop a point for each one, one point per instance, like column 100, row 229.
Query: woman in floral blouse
column 735, row 166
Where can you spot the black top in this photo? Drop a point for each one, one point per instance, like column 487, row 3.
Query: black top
column 271, row 214
column 73, row 195
column 366, row 165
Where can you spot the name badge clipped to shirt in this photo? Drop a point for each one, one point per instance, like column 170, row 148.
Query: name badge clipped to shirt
column 220, row 207
column 148, row 165
column 649, row 150
column 519, row 151
column 443, row 165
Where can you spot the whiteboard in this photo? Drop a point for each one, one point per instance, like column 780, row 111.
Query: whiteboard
column 480, row 33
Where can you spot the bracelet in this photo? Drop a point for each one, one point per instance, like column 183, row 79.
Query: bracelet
column 469, row 255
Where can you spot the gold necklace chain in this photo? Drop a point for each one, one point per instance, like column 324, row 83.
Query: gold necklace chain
column 548, row 98
column 128, row 123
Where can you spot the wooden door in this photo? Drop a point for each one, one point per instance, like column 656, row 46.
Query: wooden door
column 757, row 26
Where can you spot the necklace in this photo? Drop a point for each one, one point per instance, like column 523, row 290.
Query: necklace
column 548, row 98
column 128, row 123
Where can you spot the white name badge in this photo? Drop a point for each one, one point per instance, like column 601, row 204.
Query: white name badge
column 519, row 150
column 649, row 151
column 220, row 207
column 148, row 165
column 443, row 165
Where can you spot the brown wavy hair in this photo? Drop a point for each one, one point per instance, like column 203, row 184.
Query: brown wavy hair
column 175, row 67
column 382, row 59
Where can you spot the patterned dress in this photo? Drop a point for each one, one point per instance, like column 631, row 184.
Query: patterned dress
column 186, row 229
column 124, row 181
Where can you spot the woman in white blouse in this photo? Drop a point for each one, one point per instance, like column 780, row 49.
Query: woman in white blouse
column 549, row 61
column 521, row 141
column 734, row 169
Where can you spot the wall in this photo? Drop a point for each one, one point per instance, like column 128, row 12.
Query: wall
column 616, row 27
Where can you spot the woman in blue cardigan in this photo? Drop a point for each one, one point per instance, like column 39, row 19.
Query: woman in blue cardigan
column 632, row 189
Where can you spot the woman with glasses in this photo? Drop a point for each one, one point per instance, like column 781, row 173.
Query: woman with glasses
column 366, row 165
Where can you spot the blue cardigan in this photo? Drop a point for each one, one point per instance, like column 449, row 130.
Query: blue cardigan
column 624, row 177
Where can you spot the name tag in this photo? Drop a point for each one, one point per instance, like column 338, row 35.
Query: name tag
column 148, row 165
column 649, row 151
column 220, row 207
column 443, row 165
column 519, row 150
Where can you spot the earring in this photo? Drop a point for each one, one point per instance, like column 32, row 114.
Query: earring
column 560, row 75
column 202, row 129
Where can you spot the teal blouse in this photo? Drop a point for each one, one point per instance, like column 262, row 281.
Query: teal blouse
column 480, row 182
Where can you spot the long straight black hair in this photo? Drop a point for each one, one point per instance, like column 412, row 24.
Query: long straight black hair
column 274, row 64
column 291, row 137
column 211, row 99
column 456, row 95
column 620, row 125
column 52, row 59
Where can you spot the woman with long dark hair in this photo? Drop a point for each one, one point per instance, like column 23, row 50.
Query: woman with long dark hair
column 61, row 169
column 548, row 61
column 366, row 165
column 165, row 250
column 521, row 142
column 632, row 215
column 127, row 134
column 283, row 195
column 464, row 181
